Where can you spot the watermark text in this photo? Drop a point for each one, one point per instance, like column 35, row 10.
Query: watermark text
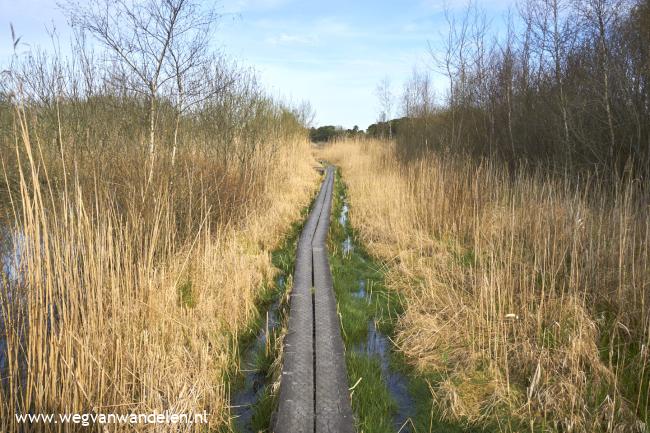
column 87, row 419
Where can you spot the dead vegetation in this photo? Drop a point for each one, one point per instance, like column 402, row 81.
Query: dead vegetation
column 525, row 291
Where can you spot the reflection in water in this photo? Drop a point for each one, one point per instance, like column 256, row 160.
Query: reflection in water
column 243, row 400
column 9, row 258
column 11, row 248
column 343, row 218
column 347, row 246
column 379, row 346
column 361, row 293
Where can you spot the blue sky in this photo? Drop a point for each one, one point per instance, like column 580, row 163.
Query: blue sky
column 331, row 53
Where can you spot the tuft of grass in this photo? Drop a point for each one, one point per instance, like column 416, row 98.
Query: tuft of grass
column 372, row 402
column 185, row 295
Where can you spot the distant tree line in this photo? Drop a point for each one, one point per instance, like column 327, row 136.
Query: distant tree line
column 329, row 133
column 568, row 85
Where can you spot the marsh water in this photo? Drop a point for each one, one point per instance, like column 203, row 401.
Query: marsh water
column 379, row 346
column 9, row 252
column 8, row 272
column 245, row 399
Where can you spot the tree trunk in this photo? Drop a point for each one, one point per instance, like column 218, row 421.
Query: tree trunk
column 604, row 65
column 152, row 126
column 175, row 144
column 179, row 111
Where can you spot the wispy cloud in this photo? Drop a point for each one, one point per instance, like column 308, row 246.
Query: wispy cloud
column 438, row 6
column 291, row 39
column 240, row 6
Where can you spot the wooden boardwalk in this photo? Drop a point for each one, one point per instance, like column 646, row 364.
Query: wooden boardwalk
column 314, row 394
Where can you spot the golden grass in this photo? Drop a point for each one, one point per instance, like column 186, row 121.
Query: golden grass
column 116, row 311
column 528, row 293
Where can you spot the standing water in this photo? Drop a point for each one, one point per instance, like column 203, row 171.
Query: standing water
column 343, row 218
column 347, row 245
column 10, row 249
column 244, row 400
column 361, row 293
column 378, row 345
column 9, row 259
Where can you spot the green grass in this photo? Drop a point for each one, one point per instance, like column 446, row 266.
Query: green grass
column 264, row 409
column 619, row 349
column 374, row 414
column 186, row 295
column 372, row 402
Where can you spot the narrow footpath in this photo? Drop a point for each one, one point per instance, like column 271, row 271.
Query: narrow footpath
column 314, row 394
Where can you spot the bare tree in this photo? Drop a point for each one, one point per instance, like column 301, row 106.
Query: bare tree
column 153, row 41
column 385, row 96
column 304, row 113
column 453, row 63
column 599, row 17
column 565, row 86
column 189, row 60
column 553, row 31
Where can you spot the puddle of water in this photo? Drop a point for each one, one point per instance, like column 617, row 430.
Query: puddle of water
column 11, row 244
column 361, row 293
column 378, row 345
column 244, row 399
column 343, row 218
column 347, row 246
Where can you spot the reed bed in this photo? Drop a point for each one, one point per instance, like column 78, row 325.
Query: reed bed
column 525, row 293
column 131, row 293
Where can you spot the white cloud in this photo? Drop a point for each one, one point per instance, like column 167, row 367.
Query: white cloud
column 239, row 6
column 455, row 5
column 291, row 39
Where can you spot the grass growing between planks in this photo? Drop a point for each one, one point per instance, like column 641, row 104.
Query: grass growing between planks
column 389, row 394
